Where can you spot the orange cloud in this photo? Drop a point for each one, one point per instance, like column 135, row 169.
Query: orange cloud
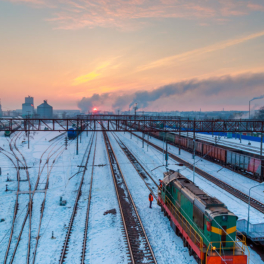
column 74, row 14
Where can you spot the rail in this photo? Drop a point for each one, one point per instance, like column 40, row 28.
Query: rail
column 138, row 244
column 67, row 238
column 88, row 210
column 138, row 167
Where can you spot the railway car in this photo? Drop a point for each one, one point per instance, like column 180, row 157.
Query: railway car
column 72, row 133
column 204, row 223
column 237, row 160
column 7, row 133
column 241, row 161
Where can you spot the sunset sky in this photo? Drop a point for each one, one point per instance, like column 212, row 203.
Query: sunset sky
column 174, row 54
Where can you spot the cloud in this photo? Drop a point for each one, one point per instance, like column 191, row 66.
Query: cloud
column 211, row 90
column 94, row 74
column 88, row 103
column 190, row 54
column 127, row 15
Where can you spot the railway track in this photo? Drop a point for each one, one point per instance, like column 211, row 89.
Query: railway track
column 88, row 210
column 46, row 189
column 16, row 203
column 145, row 176
column 140, row 250
column 30, row 203
column 84, row 164
column 242, row 196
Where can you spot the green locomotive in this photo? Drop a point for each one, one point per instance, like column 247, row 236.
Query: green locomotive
column 7, row 133
column 205, row 224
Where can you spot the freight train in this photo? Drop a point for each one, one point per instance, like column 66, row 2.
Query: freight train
column 247, row 163
column 238, row 160
column 207, row 227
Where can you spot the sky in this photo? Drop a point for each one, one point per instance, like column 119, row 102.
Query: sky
column 164, row 55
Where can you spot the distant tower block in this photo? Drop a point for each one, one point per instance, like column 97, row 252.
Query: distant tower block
column 28, row 107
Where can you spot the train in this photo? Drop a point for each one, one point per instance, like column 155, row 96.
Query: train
column 206, row 226
column 72, row 132
column 237, row 160
column 16, row 126
column 249, row 164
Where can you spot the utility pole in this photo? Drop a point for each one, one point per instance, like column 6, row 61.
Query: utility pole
column 261, row 142
column 28, row 125
column 180, row 138
column 66, row 142
column 77, row 143
column 148, row 142
column 193, row 150
column 166, row 155
column 193, row 139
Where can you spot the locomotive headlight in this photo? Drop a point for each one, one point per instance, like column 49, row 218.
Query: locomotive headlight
column 214, row 248
column 224, row 217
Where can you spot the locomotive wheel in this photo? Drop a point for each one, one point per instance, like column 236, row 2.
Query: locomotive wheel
column 190, row 250
column 177, row 231
column 184, row 242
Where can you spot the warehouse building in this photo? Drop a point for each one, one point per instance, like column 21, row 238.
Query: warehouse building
column 45, row 110
column 28, row 107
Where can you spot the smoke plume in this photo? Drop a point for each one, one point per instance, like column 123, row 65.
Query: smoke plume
column 218, row 90
column 259, row 97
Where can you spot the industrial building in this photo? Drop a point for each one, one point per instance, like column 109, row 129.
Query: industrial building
column 1, row 112
column 28, row 107
column 45, row 110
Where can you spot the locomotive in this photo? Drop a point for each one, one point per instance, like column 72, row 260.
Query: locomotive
column 73, row 131
column 205, row 224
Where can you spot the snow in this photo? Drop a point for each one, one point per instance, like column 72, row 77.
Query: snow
column 156, row 225
column 232, row 178
column 152, row 159
column 105, row 241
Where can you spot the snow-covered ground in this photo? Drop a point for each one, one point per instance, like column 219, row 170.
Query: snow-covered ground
column 234, row 179
column 152, row 159
column 156, row 225
column 105, row 242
